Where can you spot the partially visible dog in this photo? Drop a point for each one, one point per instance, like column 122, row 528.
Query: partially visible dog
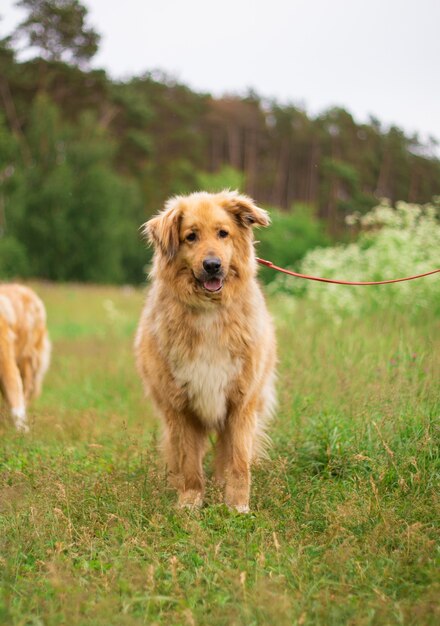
column 205, row 346
column 24, row 348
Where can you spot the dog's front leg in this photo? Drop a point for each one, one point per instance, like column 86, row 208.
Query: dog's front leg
column 184, row 447
column 13, row 386
column 234, row 456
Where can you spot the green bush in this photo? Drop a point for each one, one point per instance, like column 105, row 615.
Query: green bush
column 393, row 243
column 13, row 259
column 289, row 237
column 225, row 178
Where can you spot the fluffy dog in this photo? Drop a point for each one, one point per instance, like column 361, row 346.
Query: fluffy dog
column 24, row 348
column 205, row 346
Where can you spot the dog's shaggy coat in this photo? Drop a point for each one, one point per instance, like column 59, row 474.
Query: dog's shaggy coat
column 24, row 348
column 205, row 346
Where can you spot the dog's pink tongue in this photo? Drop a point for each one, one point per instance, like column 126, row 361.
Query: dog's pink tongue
column 213, row 284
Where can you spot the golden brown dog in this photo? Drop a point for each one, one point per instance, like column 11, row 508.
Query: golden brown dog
column 24, row 348
column 205, row 346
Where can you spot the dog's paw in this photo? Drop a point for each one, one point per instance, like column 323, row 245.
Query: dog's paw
column 237, row 496
column 20, row 420
column 240, row 508
column 190, row 499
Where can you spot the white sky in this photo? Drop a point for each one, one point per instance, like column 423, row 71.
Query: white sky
column 379, row 57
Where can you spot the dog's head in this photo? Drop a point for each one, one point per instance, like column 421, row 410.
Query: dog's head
column 204, row 242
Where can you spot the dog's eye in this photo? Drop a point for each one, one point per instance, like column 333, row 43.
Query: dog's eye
column 223, row 234
column 191, row 237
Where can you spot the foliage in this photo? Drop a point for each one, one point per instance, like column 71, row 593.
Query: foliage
column 394, row 242
column 225, row 178
column 288, row 238
column 13, row 258
column 341, row 185
column 57, row 29
column 344, row 523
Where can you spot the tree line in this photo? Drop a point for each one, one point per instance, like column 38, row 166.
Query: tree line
column 85, row 159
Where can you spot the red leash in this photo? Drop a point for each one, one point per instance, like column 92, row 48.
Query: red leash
column 341, row 282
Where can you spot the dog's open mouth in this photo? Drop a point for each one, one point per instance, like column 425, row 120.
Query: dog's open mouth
column 213, row 284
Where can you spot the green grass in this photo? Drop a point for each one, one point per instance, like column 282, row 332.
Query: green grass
column 344, row 528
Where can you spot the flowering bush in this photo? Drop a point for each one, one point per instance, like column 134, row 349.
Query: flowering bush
column 393, row 242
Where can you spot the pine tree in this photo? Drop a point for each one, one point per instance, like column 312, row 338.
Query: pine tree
column 57, row 28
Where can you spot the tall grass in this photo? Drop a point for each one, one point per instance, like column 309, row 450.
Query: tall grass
column 344, row 528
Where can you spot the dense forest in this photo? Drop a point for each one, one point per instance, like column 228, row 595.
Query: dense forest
column 85, row 159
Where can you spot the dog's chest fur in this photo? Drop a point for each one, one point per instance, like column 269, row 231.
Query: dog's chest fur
column 206, row 370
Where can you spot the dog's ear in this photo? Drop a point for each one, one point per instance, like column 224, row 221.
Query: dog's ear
column 244, row 209
column 162, row 230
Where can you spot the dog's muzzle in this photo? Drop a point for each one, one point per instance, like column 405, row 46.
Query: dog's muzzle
column 212, row 276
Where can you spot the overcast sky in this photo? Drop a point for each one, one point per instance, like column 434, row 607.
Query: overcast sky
column 379, row 57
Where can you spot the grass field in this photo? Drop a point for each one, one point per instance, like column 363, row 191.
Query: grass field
column 345, row 521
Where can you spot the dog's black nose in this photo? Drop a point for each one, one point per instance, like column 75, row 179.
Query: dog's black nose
column 212, row 264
